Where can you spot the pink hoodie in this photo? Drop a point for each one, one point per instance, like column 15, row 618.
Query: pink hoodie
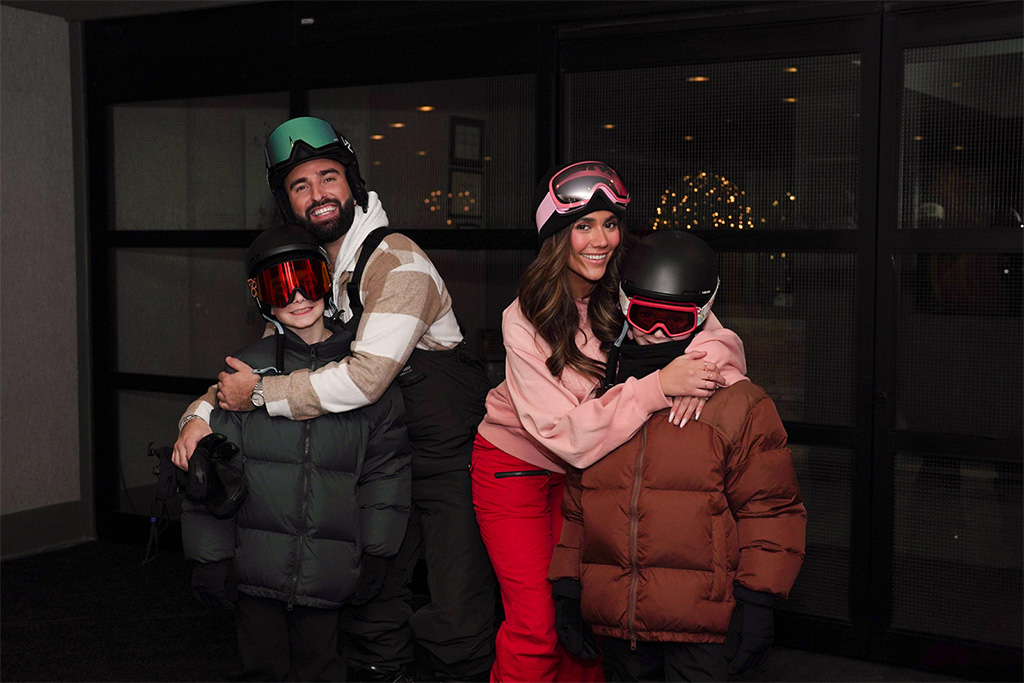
column 548, row 421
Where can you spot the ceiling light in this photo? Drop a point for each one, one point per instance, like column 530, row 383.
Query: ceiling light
column 790, row 69
column 425, row 107
column 608, row 126
column 378, row 136
column 697, row 79
column 789, row 100
column 397, row 124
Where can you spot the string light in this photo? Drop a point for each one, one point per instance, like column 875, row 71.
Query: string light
column 706, row 200
column 463, row 201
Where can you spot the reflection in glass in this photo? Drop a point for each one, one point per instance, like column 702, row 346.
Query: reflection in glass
column 482, row 284
column 957, row 548
column 195, row 164
column 962, row 137
column 795, row 314
column 822, row 588
column 181, row 311
column 959, row 340
column 144, row 418
column 442, row 154
column 766, row 144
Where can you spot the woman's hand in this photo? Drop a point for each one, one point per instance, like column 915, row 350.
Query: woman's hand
column 690, row 375
column 683, row 407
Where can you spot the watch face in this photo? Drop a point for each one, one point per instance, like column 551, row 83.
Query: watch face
column 257, row 400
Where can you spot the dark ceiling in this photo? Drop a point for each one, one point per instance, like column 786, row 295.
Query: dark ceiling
column 86, row 10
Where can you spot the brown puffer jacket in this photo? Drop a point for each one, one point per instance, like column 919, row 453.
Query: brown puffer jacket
column 658, row 530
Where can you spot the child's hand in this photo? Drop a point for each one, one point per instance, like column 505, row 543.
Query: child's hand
column 685, row 407
column 691, row 375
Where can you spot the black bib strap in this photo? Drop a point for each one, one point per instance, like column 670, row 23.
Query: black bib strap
column 355, row 302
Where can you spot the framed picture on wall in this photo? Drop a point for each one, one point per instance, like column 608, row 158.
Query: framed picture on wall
column 467, row 142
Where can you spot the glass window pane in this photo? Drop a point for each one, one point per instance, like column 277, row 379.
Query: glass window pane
column 795, row 314
column 181, row 311
column 765, row 144
column 962, row 136
column 822, row 588
column 958, row 342
column 144, row 418
column 194, row 164
column 482, row 284
column 957, row 548
column 442, row 154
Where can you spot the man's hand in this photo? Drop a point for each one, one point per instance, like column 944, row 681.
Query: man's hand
column 191, row 434
column 234, row 389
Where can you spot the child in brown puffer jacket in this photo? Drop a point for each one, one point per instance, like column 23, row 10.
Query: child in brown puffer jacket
column 679, row 538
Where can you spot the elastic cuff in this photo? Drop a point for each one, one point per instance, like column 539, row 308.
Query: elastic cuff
column 649, row 396
column 753, row 597
column 566, row 588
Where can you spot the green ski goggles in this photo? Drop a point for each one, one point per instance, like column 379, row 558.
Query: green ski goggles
column 314, row 133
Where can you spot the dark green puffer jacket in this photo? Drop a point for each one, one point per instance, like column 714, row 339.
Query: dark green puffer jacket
column 322, row 492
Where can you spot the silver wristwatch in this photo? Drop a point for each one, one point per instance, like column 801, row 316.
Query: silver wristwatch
column 257, row 394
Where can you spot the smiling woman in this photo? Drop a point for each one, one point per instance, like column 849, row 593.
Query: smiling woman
column 594, row 238
column 557, row 334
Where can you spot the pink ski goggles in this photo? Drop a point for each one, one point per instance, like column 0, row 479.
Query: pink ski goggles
column 574, row 186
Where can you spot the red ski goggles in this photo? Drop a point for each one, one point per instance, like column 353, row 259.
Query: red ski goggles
column 276, row 285
column 574, row 186
column 675, row 320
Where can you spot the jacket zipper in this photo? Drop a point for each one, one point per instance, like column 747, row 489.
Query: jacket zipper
column 305, row 498
column 634, row 524
column 522, row 473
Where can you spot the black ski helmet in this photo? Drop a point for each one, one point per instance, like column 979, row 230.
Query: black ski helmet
column 671, row 265
column 300, row 140
column 279, row 244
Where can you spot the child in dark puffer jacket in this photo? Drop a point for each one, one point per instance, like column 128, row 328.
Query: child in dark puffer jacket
column 328, row 498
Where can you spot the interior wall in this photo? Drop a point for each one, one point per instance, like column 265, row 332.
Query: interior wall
column 41, row 491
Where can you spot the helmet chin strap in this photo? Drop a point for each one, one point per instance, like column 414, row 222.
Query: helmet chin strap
column 279, row 338
column 612, row 364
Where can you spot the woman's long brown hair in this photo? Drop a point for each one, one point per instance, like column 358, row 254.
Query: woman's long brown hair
column 546, row 300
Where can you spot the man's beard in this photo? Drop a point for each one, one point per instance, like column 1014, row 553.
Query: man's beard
column 334, row 229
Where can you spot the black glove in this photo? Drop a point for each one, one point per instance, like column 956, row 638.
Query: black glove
column 371, row 579
column 169, row 479
column 215, row 476
column 751, row 630
column 574, row 633
column 213, row 584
